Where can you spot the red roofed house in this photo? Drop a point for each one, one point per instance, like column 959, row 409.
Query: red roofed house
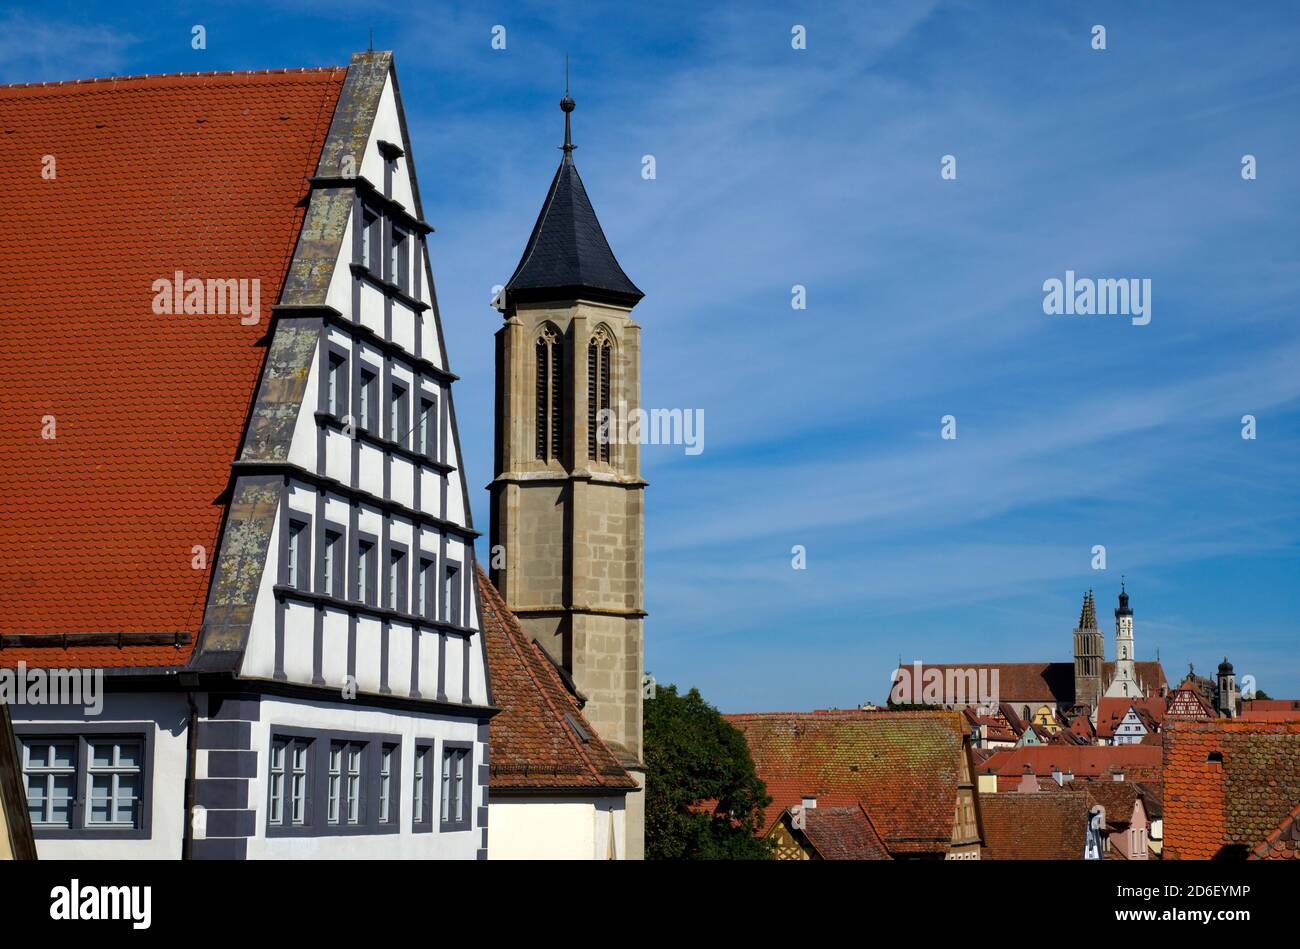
column 809, row 832
column 1037, row 825
column 909, row 771
column 1231, row 788
column 558, row 790
column 232, row 474
column 1124, row 721
column 1072, row 762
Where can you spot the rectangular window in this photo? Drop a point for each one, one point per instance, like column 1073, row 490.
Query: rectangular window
column 397, row 580
column 422, row 788
column 424, row 595
column 365, row 591
column 454, row 813
column 333, row 783
column 451, row 595
column 290, row 789
column 50, row 774
column 333, row 581
column 370, row 239
column 345, row 805
column 399, row 421
column 367, row 405
column 87, row 781
column 426, row 433
column 299, row 574
column 399, row 264
column 114, row 786
column 387, row 782
column 336, row 396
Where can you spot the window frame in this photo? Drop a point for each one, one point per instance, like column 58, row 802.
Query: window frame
column 371, row 223
column 399, row 411
column 427, row 441
column 450, row 825
column 366, row 589
column 400, row 599
column 367, row 417
column 424, row 750
column 82, row 734
column 452, row 607
column 319, row 742
column 297, row 572
column 339, row 406
column 399, row 258
column 338, row 588
column 426, row 590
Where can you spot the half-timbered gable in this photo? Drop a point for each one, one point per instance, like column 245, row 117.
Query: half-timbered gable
column 277, row 566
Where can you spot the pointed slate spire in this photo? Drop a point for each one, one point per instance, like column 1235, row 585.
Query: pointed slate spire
column 1088, row 616
column 567, row 255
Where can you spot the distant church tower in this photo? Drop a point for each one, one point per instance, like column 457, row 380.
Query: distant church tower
column 1089, row 655
column 1227, row 690
column 567, row 513
column 1125, row 683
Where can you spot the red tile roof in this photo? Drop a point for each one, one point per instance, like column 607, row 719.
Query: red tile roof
column 532, row 741
column 1228, row 785
column 202, row 173
column 903, row 767
column 1034, row 826
column 844, row 833
column 1083, row 761
column 1283, row 843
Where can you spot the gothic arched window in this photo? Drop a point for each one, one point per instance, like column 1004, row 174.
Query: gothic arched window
column 550, row 394
column 599, row 367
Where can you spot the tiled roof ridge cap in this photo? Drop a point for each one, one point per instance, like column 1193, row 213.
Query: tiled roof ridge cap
column 138, row 77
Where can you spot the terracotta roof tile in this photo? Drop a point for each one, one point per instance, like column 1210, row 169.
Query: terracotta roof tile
column 1083, row 761
column 902, row 767
column 1228, row 785
column 1034, row 826
column 844, row 833
column 532, row 742
column 199, row 173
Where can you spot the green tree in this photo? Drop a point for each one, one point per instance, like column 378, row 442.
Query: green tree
column 704, row 799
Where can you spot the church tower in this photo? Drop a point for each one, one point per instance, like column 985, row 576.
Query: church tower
column 1227, row 690
column 1125, row 683
column 1089, row 654
column 567, row 508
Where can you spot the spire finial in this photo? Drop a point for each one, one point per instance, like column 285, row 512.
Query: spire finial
column 567, row 104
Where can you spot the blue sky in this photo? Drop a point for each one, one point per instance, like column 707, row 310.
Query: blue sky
column 821, row 167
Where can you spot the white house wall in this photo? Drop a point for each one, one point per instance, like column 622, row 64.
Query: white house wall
column 556, row 828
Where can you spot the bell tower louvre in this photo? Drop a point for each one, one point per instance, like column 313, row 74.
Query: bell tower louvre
column 567, row 497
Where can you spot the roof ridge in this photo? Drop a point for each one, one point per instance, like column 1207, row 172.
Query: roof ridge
column 138, row 77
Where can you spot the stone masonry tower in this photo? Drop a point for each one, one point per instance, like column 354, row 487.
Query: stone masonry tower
column 567, row 513
column 1089, row 655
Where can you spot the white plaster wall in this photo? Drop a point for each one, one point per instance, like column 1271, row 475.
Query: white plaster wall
column 410, row 726
column 555, row 828
column 168, row 714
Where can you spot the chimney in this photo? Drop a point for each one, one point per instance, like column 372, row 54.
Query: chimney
column 809, row 801
column 1057, row 775
column 1028, row 782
